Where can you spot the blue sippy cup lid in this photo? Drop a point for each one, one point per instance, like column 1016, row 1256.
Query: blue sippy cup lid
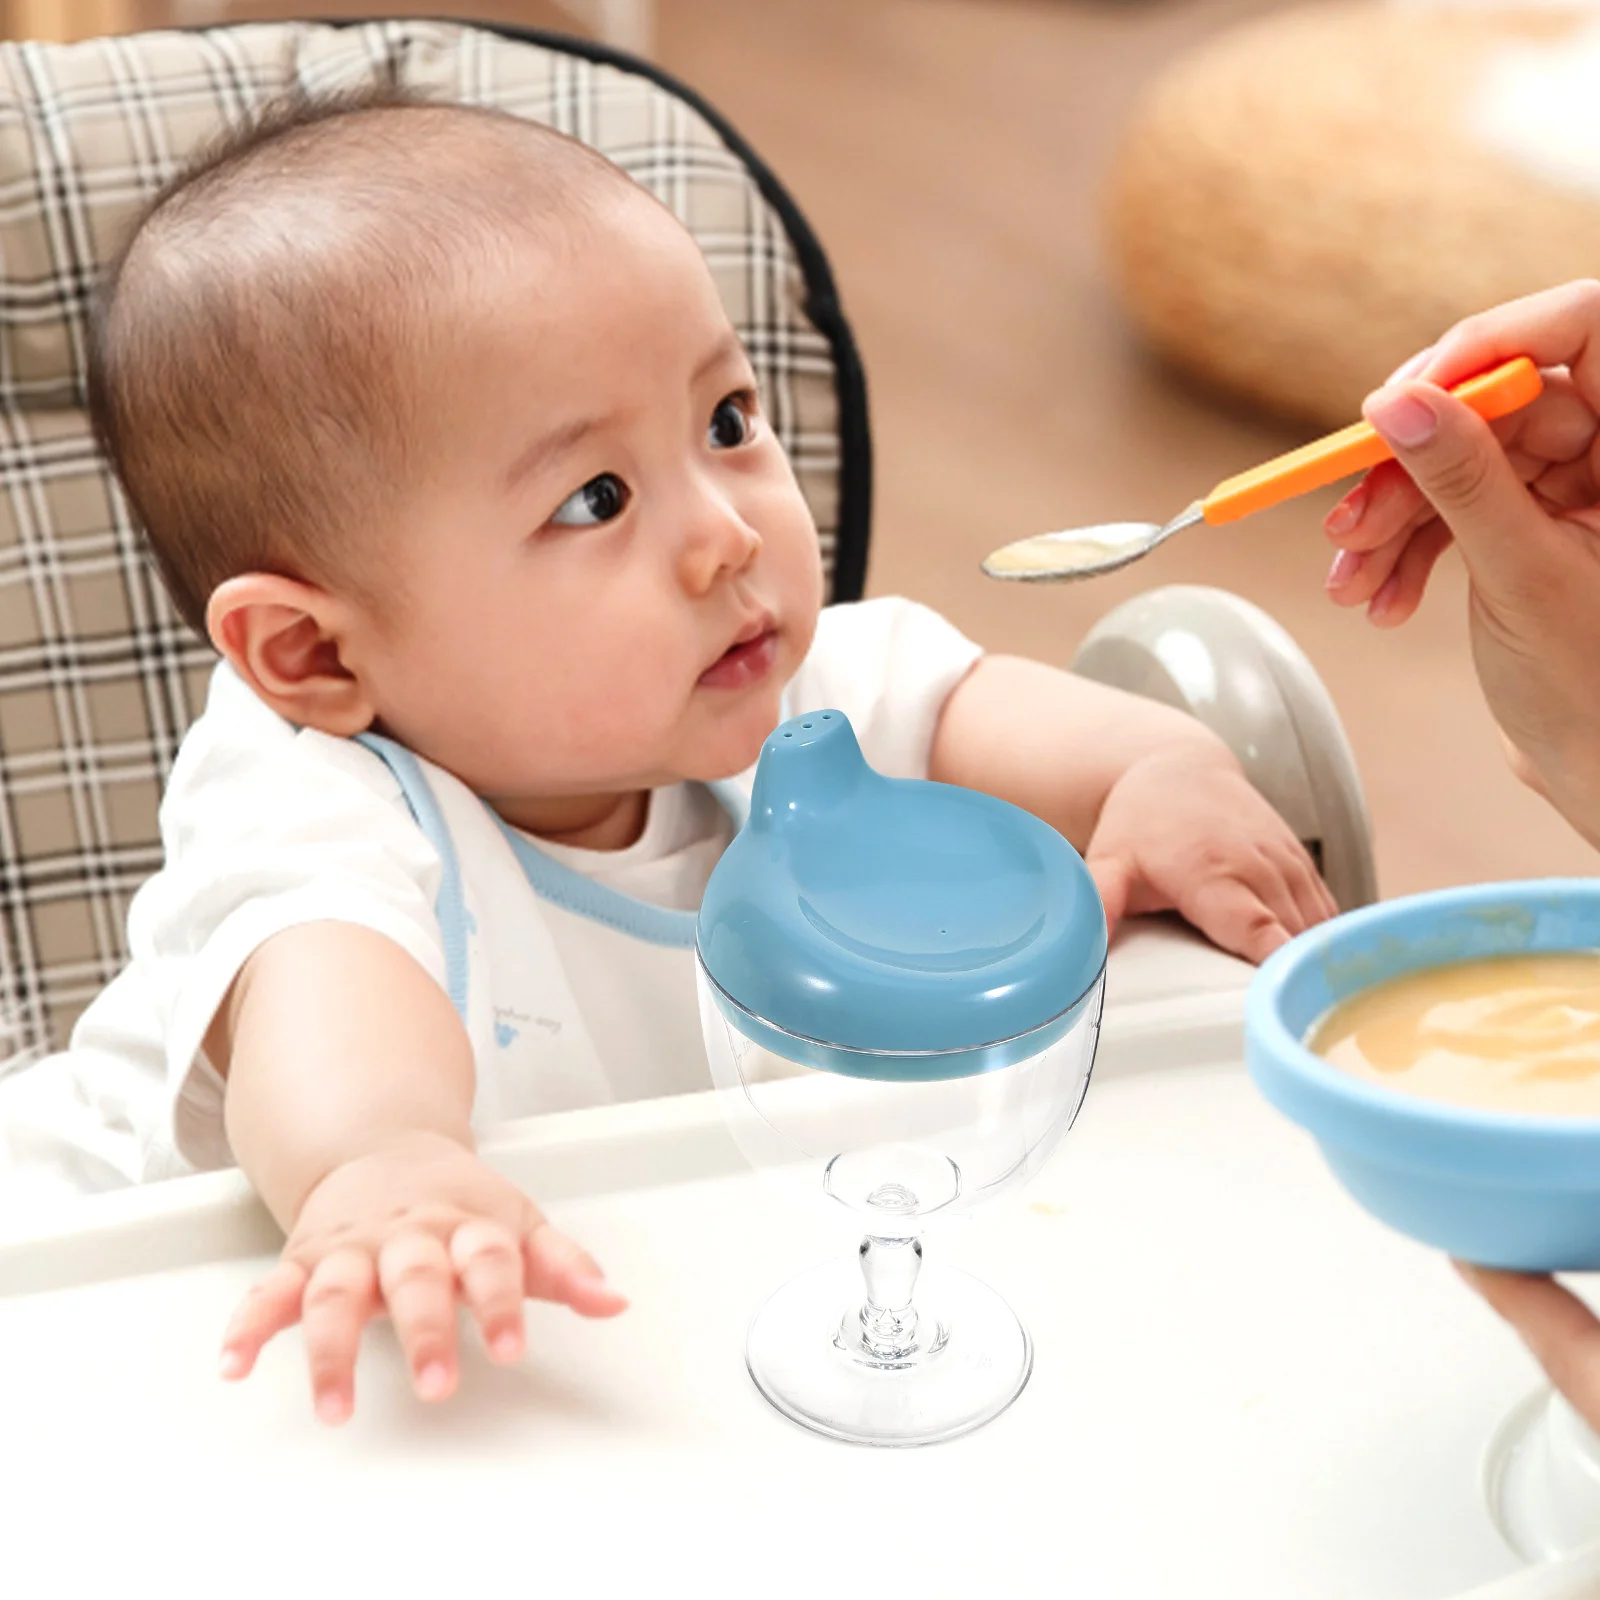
column 860, row 913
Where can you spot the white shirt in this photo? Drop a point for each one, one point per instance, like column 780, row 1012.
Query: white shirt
column 575, row 992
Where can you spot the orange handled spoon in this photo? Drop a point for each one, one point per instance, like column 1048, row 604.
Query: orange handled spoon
column 1086, row 552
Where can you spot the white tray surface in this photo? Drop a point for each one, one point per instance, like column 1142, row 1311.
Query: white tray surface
column 1244, row 1388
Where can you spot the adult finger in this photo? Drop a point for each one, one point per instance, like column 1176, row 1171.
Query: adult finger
column 559, row 1269
column 1373, row 512
column 1411, row 366
column 1557, row 328
column 270, row 1307
column 1568, row 486
column 488, row 1263
column 1365, row 563
column 1401, row 592
column 1232, row 915
column 1558, row 428
column 419, row 1288
column 1458, row 463
column 1357, row 575
column 341, row 1295
column 1559, row 1329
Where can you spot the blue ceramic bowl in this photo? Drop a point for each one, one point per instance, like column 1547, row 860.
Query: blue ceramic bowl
column 1502, row 1190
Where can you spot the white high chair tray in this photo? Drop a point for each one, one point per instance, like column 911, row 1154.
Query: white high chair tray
column 1244, row 1387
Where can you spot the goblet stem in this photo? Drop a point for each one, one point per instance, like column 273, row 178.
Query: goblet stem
column 888, row 1318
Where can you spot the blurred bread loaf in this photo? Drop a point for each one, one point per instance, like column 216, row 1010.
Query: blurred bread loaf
column 1308, row 200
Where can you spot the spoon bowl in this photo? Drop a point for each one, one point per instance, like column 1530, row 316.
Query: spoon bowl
column 1082, row 552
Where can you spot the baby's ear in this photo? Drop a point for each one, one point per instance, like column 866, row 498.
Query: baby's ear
column 285, row 639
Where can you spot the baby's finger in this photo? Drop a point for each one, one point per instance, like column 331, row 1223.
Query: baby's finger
column 270, row 1307
column 1113, row 876
column 1311, row 898
column 419, row 1288
column 488, row 1263
column 559, row 1269
column 1330, row 906
column 340, row 1297
column 1232, row 915
column 1402, row 590
column 1261, row 870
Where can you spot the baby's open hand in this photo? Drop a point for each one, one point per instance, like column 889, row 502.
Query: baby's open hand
column 412, row 1226
column 1183, row 830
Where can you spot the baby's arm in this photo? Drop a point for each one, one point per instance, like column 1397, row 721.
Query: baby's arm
column 350, row 1086
column 1161, row 810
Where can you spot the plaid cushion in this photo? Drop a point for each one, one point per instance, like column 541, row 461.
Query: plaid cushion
column 98, row 678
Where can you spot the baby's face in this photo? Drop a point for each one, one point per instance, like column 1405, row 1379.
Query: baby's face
column 606, row 572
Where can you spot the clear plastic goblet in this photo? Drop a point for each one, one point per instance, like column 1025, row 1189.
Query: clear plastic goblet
column 898, row 1353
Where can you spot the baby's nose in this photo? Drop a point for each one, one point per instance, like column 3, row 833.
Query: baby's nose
column 717, row 540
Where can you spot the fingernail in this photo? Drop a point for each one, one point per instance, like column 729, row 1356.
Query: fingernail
column 433, row 1381
column 1406, row 421
column 506, row 1345
column 232, row 1364
column 1348, row 512
column 1345, row 566
column 1384, row 598
column 1409, row 369
column 332, row 1407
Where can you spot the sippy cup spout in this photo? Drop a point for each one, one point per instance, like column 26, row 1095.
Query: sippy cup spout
column 810, row 766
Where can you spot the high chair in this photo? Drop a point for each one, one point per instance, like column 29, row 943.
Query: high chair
column 99, row 679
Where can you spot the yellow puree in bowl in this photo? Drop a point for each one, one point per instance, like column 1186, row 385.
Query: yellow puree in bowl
column 1511, row 1033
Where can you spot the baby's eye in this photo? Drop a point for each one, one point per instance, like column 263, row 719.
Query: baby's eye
column 733, row 423
column 599, row 500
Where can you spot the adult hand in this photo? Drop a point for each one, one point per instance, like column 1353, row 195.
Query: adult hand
column 1560, row 1330
column 1521, row 497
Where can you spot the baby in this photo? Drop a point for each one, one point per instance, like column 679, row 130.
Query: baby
column 439, row 431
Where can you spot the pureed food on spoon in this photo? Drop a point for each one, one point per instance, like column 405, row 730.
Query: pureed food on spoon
column 1510, row 1033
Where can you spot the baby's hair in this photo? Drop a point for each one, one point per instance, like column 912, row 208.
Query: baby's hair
column 258, row 346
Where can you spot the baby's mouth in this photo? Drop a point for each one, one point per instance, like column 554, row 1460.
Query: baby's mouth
column 744, row 662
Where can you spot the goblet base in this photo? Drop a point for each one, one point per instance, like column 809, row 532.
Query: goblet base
column 967, row 1358
column 1542, row 1479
